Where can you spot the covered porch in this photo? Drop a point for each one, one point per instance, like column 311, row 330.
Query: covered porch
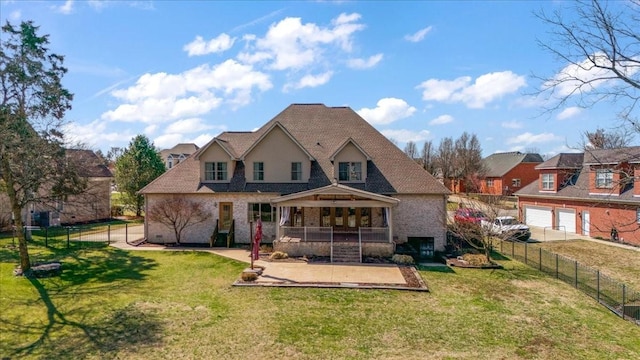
column 336, row 221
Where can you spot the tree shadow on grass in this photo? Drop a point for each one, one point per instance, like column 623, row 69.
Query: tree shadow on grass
column 75, row 334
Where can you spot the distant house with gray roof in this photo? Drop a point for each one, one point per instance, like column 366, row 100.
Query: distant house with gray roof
column 318, row 177
column 590, row 193
column 178, row 153
column 505, row 173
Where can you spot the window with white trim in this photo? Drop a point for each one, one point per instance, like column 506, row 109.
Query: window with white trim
column 258, row 171
column 264, row 211
column 489, row 182
column 215, row 171
column 350, row 171
column 296, row 171
column 604, row 178
column 515, row 182
column 548, row 182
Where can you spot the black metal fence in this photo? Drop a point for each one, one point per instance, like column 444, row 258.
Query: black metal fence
column 82, row 235
column 616, row 296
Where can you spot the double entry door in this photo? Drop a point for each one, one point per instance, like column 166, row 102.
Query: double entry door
column 345, row 218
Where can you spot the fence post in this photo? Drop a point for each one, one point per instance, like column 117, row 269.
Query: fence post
column 525, row 253
column 46, row 237
column 598, row 285
column 108, row 234
column 501, row 245
column 512, row 248
column 576, row 273
column 68, row 235
column 126, row 233
column 557, row 274
column 540, row 258
column 624, row 293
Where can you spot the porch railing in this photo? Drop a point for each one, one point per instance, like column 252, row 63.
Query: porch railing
column 309, row 233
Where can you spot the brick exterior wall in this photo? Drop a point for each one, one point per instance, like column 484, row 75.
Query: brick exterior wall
column 416, row 215
column 603, row 216
column 527, row 174
column 420, row 216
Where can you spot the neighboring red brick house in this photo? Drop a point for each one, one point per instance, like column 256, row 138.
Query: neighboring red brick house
column 589, row 193
column 506, row 173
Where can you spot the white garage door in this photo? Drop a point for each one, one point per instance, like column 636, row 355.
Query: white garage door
column 537, row 216
column 567, row 220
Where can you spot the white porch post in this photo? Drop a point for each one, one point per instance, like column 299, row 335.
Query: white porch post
column 278, row 223
column 390, row 223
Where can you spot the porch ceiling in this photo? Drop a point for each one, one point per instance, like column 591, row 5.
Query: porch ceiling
column 366, row 199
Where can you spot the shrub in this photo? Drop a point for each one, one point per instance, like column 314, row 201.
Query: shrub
column 278, row 255
column 402, row 259
column 475, row 259
column 249, row 276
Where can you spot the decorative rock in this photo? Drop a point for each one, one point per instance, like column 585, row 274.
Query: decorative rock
column 40, row 270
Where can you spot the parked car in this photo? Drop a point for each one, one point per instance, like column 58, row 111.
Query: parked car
column 507, row 228
column 469, row 216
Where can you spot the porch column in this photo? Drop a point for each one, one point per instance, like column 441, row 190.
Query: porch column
column 278, row 223
column 390, row 224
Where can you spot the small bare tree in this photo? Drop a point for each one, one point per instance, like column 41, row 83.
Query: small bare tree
column 178, row 213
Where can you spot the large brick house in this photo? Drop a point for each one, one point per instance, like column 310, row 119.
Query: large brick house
column 590, row 193
column 316, row 176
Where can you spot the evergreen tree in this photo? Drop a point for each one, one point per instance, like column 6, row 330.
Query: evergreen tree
column 138, row 165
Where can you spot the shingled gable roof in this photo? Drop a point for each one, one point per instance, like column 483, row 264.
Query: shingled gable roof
column 320, row 130
column 264, row 135
column 87, row 163
column 498, row 164
column 347, row 142
column 223, row 144
column 612, row 156
column 563, row 161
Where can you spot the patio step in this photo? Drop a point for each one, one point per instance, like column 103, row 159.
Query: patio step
column 346, row 253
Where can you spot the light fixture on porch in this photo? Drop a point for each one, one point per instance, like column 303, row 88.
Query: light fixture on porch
column 215, row 204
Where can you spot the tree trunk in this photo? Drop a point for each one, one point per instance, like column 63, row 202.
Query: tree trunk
column 16, row 210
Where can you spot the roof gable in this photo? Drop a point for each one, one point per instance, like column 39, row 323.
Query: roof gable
column 218, row 142
column 267, row 132
column 347, row 142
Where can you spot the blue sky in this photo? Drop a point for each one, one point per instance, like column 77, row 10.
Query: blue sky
column 183, row 71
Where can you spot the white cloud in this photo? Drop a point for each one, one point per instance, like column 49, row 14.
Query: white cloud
column 151, row 129
column 569, row 113
column 216, row 45
column 441, row 120
column 291, row 45
column 486, row 88
column 188, row 126
column 15, row 15
column 166, row 141
column 403, row 136
column 365, row 63
column 528, row 138
column 98, row 5
column 66, row 8
column 419, row 35
column 511, row 124
column 164, row 97
column 311, row 81
column 95, row 133
column 588, row 75
column 387, row 111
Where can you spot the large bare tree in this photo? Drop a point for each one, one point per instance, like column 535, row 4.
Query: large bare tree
column 428, row 157
column 33, row 102
column 598, row 43
column 468, row 161
column 178, row 213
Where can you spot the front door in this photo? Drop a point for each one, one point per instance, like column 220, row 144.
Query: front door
column 226, row 216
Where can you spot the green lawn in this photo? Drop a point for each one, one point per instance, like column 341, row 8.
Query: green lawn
column 620, row 264
column 110, row 303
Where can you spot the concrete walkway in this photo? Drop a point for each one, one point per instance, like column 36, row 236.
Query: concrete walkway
column 299, row 273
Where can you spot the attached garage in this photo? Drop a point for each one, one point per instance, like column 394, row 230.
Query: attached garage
column 538, row 216
column 567, row 220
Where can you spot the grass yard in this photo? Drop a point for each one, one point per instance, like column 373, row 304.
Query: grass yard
column 110, row 303
column 618, row 263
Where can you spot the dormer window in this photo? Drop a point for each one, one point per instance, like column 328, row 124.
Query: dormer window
column 548, row 182
column 170, row 162
column 604, row 179
column 350, row 171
